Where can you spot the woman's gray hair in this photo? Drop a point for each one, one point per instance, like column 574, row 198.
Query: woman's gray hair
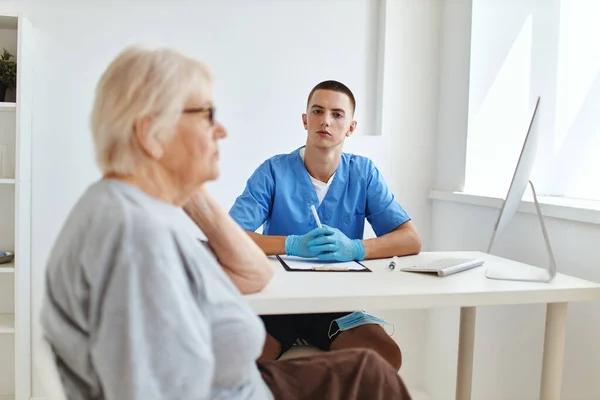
column 141, row 82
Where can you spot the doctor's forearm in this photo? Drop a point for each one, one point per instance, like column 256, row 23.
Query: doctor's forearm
column 271, row 245
column 402, row 241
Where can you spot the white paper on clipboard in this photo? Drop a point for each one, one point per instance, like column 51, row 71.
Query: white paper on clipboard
column 308, row 264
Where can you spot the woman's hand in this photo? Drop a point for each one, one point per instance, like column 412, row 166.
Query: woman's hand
column 243, row 261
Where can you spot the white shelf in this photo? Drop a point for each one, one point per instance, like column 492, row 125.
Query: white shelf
column 16, row 193
column 8, row 106
column 7, row 323
column 8, row 268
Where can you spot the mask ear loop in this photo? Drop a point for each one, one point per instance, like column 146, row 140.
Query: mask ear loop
column 393, row 330
column 329, row 330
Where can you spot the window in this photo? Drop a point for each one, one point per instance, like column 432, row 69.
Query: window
column 521, row 49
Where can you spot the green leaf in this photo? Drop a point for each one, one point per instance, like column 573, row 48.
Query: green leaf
column 8, row 70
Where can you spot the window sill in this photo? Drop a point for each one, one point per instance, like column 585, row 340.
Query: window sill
column 579, row 210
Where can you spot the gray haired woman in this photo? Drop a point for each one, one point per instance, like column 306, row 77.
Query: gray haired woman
column 136, row 307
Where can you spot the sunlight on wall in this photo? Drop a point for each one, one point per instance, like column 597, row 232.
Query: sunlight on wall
column 522, row 49
column 578, row 61
column 587, row 183
column 577, row 137
column 497, row 130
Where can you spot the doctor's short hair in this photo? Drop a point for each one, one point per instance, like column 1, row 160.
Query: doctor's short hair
column 334, row 86
column 141, row 82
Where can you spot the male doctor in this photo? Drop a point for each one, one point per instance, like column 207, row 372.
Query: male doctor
column 345, row 189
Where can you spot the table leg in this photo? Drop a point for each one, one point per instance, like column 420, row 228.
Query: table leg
column 466, row 345
column 554, row 350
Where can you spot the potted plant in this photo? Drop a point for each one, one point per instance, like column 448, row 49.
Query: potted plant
column 8, row 73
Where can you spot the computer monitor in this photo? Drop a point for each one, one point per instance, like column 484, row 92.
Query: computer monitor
column 511, row 204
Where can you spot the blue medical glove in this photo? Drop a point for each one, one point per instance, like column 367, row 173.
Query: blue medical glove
column 337, row 246
column 297, row 245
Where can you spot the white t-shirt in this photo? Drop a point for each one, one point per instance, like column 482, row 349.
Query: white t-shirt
column 320, row 187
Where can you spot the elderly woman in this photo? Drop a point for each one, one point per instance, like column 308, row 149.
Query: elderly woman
column 138, row 308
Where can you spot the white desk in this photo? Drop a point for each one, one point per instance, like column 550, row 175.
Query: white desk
column 312, row 292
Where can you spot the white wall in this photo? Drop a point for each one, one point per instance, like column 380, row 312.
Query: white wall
column 266, row 56
column 410, row 107
column 508, row 344
column 441, row 329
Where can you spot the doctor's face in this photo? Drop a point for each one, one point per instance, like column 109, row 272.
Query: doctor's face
column 328, row 119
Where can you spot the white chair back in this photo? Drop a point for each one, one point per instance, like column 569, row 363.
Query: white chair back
column 48, row 371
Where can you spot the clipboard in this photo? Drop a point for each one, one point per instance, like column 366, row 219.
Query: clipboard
column 313, row 262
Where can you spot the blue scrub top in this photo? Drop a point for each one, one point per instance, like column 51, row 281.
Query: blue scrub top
column 279, row 195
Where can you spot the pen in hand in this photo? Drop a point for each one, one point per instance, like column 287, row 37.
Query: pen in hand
column 314, row 211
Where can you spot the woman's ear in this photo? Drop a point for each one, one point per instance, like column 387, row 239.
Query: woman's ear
column 352, row 128
column 149, row 144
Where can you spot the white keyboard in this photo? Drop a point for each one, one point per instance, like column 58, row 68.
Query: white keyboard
column 445, row 266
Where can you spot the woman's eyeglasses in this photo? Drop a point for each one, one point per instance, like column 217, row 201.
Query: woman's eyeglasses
column 210, row 110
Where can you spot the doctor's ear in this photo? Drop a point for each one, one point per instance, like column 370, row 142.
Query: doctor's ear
column 304, row 121
column 352, row 129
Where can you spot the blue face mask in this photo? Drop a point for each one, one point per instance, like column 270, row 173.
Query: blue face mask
column 353, row 320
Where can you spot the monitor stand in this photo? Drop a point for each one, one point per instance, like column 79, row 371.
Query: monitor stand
column 522, row 272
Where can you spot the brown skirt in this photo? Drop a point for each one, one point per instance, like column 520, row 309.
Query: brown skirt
column 353, row 374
